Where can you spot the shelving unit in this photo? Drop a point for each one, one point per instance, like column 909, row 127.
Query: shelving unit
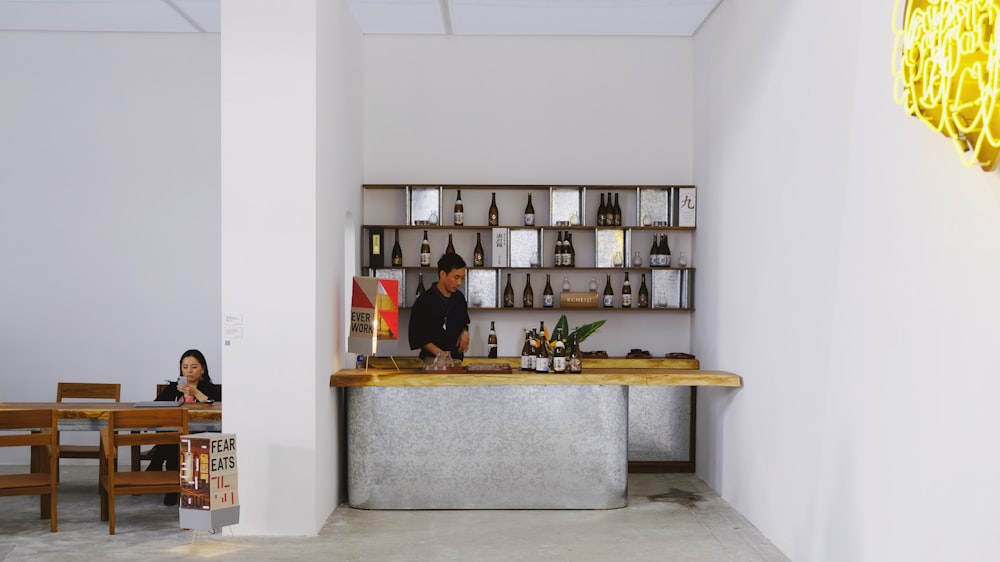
column 657, row 442
column 668, row 210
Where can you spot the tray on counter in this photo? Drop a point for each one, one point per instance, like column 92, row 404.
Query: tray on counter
column 478, row 368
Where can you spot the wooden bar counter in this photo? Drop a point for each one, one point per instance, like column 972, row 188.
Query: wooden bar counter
column 407, row 371
column 469, row 440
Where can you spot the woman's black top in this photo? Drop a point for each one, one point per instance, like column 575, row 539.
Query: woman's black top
column 208, row 388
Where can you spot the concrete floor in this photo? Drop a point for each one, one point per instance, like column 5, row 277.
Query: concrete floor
column 670, row 517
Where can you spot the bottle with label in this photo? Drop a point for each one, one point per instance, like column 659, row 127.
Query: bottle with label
column 617, row 212
column 491, row 342
column 459, row 209
column 397, row 252
column 529, row 213
column 548, row 297
column 425, row 252
column 527, row 354
column 609, row 294
column 478, row 255
column 451, row 247
column 643, row 293
column 602, row 213
column 626, row 293
column 542, row 358
column 569, row 256
column 654, row 252
column 420, row 284
column 664, row 251
column 559, row 250
column 508, row 294
column 559, row 353
column 494, row 215
column 528, row 296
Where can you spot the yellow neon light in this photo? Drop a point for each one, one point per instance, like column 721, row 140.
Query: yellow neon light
column 946, row 60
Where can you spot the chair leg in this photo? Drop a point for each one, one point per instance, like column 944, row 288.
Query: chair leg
column 53, row 524
column 111, row 513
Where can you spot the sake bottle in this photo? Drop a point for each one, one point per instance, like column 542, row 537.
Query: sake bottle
column 548, row 297
column 527, row 354
column 569, row 256
column 617, row 212
column 528, row 296
column 459, row 209
column 478, row 255
column 602, row 213
column 664, row 252
column 643, row 293
column 425, row 252
column 559, row 250
column 529, row 213
column 626, row 293
column 609, row 294
column 451, row 247
column 397, row 252
column 508, row 294
column 420, row 284
column 494, row 214
column 654, row 252
column 559, row 353
column 542, row 358
column 491, row 342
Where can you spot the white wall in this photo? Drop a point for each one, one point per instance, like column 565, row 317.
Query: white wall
column 847, row 269
column 109, row 209
column 291, row 162
column 533, row 110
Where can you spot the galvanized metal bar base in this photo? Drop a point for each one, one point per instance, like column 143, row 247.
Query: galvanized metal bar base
column 487, row 447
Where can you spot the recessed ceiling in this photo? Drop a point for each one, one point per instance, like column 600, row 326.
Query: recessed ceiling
column 428, row 17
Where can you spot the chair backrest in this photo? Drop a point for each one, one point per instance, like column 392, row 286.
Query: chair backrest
column 39, row 427
column 169, row 424
column 89, row 391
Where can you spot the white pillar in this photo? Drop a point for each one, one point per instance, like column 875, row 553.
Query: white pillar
column 291, row 174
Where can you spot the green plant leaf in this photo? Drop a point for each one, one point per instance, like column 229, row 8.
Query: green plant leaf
column 585, row 331
column 562, row 326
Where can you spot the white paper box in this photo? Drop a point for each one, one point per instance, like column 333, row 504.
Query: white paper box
column 501, row 245
column 686, row 208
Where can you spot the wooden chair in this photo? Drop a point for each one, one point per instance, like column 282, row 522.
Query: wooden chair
column 88, row 392
column 127, row 428
column 37, row 429
column 139, row 455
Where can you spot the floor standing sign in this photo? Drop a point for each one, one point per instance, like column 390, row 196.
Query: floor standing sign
column 209, row 496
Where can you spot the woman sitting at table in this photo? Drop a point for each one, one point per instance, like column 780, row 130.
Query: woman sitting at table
column 197, row 387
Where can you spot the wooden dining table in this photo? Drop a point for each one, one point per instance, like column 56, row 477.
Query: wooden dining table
column 91, row 416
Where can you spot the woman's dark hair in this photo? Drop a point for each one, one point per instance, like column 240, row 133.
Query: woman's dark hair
column 198, row 357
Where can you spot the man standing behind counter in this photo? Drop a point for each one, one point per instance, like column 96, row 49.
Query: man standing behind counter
column 439, row 320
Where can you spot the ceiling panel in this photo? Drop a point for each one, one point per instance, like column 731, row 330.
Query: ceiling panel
column 460, row 17
column 579, row 17
column 399, row 16
column 204, row 13
column 91, row 15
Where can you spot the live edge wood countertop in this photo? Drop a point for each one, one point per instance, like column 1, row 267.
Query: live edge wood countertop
column 382, row 371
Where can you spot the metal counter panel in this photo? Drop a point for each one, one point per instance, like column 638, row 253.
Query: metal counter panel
column 659, row 423
column 487, row 447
